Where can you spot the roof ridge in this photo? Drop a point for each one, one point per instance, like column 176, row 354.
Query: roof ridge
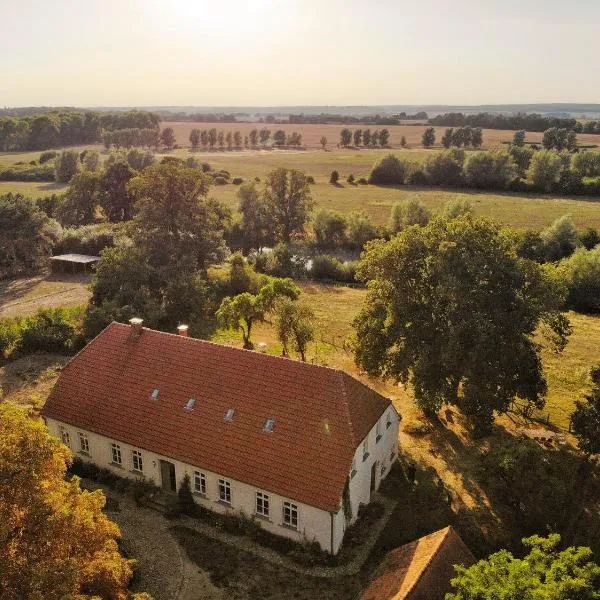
column 446, row 530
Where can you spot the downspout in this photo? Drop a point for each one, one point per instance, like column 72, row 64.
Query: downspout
column 331, row 515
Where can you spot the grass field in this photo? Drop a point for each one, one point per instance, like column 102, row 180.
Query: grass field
column 33, row 189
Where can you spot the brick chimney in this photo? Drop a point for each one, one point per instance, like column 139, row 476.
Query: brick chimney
column 182, row 330
column 136, row 325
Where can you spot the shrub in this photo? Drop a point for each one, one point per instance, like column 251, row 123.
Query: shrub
column 310, row 179
column 66, row 165
column 350, row 179
column 360, row 229
column 330, row 268
column 582, row 275
column 407, row 213
column 494, row 169
column 390, row 170
column 25, row 172
column 237, row 181
column 89, row 239
column 334, row 177
column 444, row 168
column 46, row 156
column 205, row 167
column 49, row 330
column 10, row 334
column 329, row 228
column 545, row 169
column 560, row 238
column 220, row 180
column 362, row 181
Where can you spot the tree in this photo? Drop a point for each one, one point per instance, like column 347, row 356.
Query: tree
column 253, row 137
column 585, row 419
column 288, row 197
column 390, row 170
column 560, row 238
column 264, row 136
column 81, row 200
column 375, row 138
column 384, row 138
column 420, row 333
column 345, row 137
column 366, row 137
column 334, row 177
column 294, row 326
column 246, row 142
column 66, row 165
column 428, row 139
column 357, row 137
column 405, row 214
column 114, row 195
column 204, row 138
column 519, row 138
column 360, row 229
column 448, row 137
column 581, row 272
column 545, row 169
column 403, row 141
column 279, row 137
column 589, row 238
column 167, row 137
column 221, row 139
column 329, row 228
column 92, row 161
column 229, row 140
column 56, row 541
column 212, row 137
column 241, row 312
column 237, row 139
column 323, row 142
column 546, row 573
column 257, row 220
column 27, row 236
column 445, row 168
column 521, row 156
column 476, row 137
column 494, row 169
column 195, row 138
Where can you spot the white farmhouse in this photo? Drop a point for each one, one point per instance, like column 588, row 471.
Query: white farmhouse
column 273, row 437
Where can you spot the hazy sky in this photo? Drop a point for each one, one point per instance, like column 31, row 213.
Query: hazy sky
column 280, row 52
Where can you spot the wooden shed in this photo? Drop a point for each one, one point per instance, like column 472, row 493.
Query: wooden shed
column 73, row 263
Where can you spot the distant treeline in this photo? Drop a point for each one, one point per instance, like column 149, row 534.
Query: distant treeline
column 200, row 117
column 527, row 122
column 56, row 129
column 325, row 118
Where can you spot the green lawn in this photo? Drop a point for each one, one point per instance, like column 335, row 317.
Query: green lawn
column 34, row 189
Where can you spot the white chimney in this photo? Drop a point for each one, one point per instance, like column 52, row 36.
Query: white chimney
column 136, row 325
column 182, row 330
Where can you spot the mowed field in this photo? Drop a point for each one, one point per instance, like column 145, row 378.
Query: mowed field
column 311, row 134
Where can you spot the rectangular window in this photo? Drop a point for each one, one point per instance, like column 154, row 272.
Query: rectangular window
column 262, row 504
column 199, row 483
column 290, row 514
column 84, row 444
column 377, row 432
column 116, row 454
column 366, row 449
column 224, row 491
column 136, row 459
column 64, row 437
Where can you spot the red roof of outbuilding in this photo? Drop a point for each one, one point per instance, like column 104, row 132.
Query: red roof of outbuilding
column 321, row 414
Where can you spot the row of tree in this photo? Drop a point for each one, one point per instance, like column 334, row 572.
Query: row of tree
column 459, row 137
column 210, row 138
column 56, row 129
column 362, row 137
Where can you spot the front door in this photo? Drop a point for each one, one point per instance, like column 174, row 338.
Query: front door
column 167, row 473
column 373, row 476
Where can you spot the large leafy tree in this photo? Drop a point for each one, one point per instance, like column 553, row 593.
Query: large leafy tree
column 115, row 198
column 586, row 417
column 55, row 541
column 294, row 326
column 288, row 198
column 81, row 200
column 546, row 573
column 257, row 219
column 452, row 309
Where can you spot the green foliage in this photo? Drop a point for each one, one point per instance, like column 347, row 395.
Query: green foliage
column 329, row 268
column 334, row 177
column 114, row 194
column 167, row 137
column 237, row 181
column 589, row 238
column 294, row 326
column 47, row 156
column 494, row 169
column 27, row 236
column 546, row 573
column 289, row 201
column 519, row 138
column 92, row 161
column 89, row 239
column 257, row 220
column 428, row 138
column 49, row 330
column 457, row 208
column 586, row 164
column 66, row 165
column 560, row 238
column 545, row 169
column 140, row 159
column 360, row 229
column 521, row 156
column 444, row 168
column 585, row 419
column 581, row 272
column 405, row 214
column 390, row 170
column 422, row 334
column 28, row 172
column 10, row 335
column 79, row 204
column 330, row 228
column 195, row 138
column 345, row 137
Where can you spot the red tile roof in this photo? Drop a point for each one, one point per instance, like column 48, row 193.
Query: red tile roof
column 321, row 414
column 420, row 570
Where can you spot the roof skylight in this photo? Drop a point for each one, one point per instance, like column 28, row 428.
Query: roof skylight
column 155, row 394
column 229, row 414
column 269, row 425
column 191, row 403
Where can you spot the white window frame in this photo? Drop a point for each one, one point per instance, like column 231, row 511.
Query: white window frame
column 262, row 504
column 115, row 454
column 225, row 491
column 290, row 514
column 137, row 462
column 377, row 432
column 199, row 483
column 84, row 443
column 365, row 448
column 65, row 438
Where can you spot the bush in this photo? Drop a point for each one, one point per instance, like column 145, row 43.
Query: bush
column 25, row 172
column 444, row 168
column 494, row 169
column 66, row 165
column 220, row 180
column 89, row 239
column 390, row 170
column 545, row 169
column 237, row 181
column 46, row 156
column 10, row 334
column 330, row 268
column 582, row 275
column 310, row 179
column 409, row 212
column 334, row 177
column 362, row 181
column 329, row 228
column 49, row 330
column 350, row 179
